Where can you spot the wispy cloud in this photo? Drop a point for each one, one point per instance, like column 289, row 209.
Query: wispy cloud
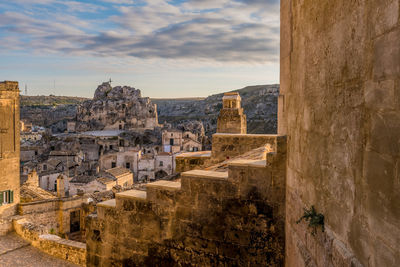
column 212, row 30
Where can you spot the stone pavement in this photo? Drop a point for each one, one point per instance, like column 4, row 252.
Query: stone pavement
column 16, row 252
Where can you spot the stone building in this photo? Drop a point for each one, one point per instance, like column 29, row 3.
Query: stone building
column 231, row 118
column 172, row 141
column 9, row 148
column 128, row 159
column 103, row 181
column 175, row 141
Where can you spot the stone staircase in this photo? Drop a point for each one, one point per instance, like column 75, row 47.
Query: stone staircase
column 234, row 217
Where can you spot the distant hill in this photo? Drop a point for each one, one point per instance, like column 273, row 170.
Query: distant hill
column 50, row 100
column 260, row 104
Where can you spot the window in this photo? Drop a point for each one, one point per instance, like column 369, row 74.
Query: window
column 128, row 165
column 161, row 163
column 6, row 197
column 187, row 135
column 171, row 141
column 36, row 153
column 111, row 147
column 44, row 167
column 113, row 164
column 172, row 134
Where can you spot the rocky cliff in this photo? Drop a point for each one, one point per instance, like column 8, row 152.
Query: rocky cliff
column 120, row 107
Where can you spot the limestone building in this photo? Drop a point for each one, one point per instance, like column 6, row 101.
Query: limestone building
column 9, row 147
column 231, row 118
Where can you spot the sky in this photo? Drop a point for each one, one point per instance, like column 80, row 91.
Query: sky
column 166, row 48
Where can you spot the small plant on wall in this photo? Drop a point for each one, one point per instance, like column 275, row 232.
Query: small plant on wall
column 314, row 219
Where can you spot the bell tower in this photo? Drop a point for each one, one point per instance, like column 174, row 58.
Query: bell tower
column 231, row 118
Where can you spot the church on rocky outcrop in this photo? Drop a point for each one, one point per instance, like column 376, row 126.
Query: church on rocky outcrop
column 116, row 108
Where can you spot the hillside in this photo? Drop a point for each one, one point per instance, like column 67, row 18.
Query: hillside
column 259, row 102
column 50, row 100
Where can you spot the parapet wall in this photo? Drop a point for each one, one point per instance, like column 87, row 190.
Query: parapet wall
column 226, row 146
column 340, row 87
column 71, row 251
column 233, row 218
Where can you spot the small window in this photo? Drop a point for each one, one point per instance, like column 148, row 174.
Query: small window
column 6, row 197
column 45, row 167
column 36, row 152
column 113, row 164
column 111, row 147
column 171, row 141
column 187, row 136
column 161, row 163
column 172, row 134
column 128, row 165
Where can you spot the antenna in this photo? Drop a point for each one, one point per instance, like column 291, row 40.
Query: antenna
column 26, row 89
column 110, row 81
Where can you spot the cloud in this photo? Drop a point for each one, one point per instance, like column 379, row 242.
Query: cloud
column 209, row 30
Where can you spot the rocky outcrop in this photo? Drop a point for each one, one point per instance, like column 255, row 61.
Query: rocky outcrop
column 118, row 108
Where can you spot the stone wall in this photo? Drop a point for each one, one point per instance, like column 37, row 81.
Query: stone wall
column 69, row 250
column 233, row 218
column 192, row 161
column 340, row 90
column 9, row 145
column 226, row 146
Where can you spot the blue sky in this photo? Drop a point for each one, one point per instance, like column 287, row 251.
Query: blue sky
column 175, row 48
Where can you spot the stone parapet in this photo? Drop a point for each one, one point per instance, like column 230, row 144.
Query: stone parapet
column 208, row 218
column 68, row 250
column 226, row 146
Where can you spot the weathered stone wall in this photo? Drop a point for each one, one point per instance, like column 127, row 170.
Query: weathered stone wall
column 69, row 250
column 340, row 87
column 233, row 218
column 227, row 146
column 192, row 161
column 9, row 144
